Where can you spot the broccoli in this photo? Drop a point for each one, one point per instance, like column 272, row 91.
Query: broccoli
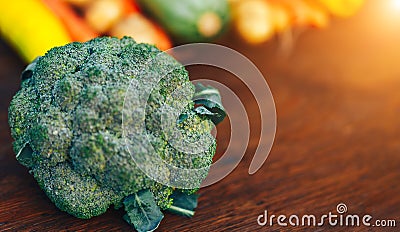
column 67, row 123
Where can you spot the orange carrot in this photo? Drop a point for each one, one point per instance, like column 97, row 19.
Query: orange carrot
column 76, row 26
column 163, row 41
column 78, row 3
column 101, row 15
column 142, row 30
column 129, row 6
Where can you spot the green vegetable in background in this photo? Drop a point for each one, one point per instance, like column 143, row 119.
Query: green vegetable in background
column 67, row 124
column 190, row 20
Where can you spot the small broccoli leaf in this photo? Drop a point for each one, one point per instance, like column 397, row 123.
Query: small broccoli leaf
column 183, row 204
column 25, row 156
column 209, row 98
column 142, row 211
column 204, row 111
column 28, row 72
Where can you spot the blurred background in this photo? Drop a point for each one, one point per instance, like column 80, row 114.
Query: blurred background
column 333, row 69
column 367, row 30
column 34, row 26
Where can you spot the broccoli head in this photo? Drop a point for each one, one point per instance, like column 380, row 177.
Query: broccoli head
column 67, row 123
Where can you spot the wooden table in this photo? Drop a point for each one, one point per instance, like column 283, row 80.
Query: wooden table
column 337, row 96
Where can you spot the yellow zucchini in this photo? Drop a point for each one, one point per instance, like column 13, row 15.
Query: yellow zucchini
column 31, row 28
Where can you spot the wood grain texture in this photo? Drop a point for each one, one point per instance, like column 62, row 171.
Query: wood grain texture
column 338, row 140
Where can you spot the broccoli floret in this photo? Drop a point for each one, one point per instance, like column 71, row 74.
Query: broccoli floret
column 79, row 195
column 67, row 124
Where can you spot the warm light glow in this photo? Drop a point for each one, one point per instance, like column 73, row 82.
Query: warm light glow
column 389, row 11
column 395, row 4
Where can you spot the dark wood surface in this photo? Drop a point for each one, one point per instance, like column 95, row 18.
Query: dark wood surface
column 337, row 96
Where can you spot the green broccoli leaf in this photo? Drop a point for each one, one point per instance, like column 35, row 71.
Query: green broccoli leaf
column 142, row 211
column 201, row 110
column 28, row 71
column 209, row 104
column 183, row 204
column 25, row 156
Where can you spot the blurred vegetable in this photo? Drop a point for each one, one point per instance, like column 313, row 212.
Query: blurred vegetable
column 129, row 6
column 142, row 30
column 281, row 17
column 78, row 2
column 76, row 26
column 56, row 22
column 257, row 21
column 31, row 28
column 103, row 14
column 319, row 16
column 252, row 20
column 342, row 8
column 190, row 20
column 306, row 13
column 117, row 18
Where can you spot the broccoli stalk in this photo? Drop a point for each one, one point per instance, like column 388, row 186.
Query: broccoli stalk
column 66, row 121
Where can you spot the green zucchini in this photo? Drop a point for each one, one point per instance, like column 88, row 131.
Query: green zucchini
column 189, row 20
